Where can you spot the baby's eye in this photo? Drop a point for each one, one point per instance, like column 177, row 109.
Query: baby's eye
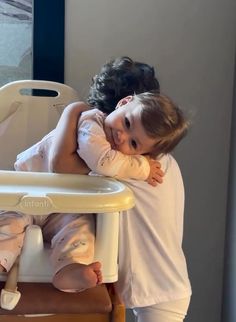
column 127, row 123
column 134, row 144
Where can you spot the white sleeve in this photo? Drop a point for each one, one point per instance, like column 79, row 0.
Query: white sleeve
column 96, row 151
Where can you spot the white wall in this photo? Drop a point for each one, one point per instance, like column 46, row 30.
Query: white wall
column 191, row 44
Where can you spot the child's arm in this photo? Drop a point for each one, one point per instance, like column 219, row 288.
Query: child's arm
column 63, row 157
column 96, row 151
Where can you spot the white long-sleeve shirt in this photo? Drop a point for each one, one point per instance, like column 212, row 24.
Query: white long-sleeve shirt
column 152, row 265
column 98, row 154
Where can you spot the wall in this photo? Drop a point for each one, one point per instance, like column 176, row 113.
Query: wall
column 191, row 44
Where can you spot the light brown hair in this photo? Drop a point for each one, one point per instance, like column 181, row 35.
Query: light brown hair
column 162, row 119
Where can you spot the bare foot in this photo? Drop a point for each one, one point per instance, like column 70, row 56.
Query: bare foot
column 77, row 277
column 99, row 275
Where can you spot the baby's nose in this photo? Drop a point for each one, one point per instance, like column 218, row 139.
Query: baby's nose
column 121, row 136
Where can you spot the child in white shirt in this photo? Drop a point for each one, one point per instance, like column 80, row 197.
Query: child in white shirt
column 153, row 277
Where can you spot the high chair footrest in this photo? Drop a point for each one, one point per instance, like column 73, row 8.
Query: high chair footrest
column 43, row 298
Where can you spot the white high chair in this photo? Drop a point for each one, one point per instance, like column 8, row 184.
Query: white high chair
column 45, row 193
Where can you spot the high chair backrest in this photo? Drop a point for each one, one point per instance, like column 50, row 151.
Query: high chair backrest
column 28, row 110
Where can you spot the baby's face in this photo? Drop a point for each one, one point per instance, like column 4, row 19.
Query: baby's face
column 125, row 131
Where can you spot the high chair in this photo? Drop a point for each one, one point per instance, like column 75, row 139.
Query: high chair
column 22, row 104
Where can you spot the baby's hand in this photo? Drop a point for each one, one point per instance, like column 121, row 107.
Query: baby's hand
column 156, row 174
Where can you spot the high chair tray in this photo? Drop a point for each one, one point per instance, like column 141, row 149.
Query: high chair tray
column 45, row 193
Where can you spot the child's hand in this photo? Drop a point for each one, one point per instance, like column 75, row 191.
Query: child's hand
column 156, row 174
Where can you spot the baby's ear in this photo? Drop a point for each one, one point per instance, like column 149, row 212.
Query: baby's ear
column 124, row 101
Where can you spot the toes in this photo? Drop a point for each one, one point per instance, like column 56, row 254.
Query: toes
column 95, row 266
column 99, row 277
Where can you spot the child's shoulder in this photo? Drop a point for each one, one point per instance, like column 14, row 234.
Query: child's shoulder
column 93, row 115
column 168, row 162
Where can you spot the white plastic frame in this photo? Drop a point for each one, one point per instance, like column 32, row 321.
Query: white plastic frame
column 44, row 193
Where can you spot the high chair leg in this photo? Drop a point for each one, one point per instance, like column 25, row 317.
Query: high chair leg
column 9, row 294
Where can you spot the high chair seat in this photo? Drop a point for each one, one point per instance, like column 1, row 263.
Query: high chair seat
column 48, row 300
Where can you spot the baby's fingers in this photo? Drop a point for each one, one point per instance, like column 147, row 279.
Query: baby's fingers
column 157, row 177
column 152, row 182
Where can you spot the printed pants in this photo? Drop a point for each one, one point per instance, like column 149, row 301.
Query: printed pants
column 72, row 237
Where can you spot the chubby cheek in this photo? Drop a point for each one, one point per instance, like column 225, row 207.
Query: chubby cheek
column 114, row 119
column 108, row 125
column 125, row 149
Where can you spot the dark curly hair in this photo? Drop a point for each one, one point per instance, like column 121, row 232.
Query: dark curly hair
column 119, row 78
